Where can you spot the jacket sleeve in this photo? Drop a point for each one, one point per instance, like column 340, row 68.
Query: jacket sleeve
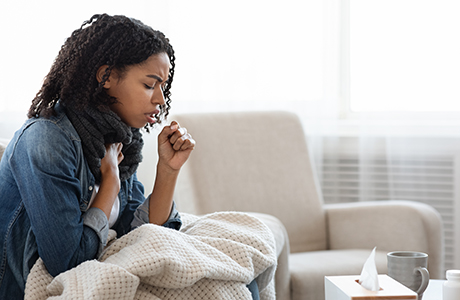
column 136, row 211
column 141, row 216
column 44, row 164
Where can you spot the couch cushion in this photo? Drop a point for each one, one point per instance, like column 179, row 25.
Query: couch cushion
column 309, row 268
column 253, row 161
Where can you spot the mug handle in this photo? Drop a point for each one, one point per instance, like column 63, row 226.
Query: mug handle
column 425, row 279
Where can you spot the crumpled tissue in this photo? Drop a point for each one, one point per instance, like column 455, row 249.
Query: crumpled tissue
column 369, row 278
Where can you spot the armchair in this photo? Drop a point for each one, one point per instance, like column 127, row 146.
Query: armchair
column 259, row 162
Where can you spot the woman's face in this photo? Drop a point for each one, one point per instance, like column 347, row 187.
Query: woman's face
column 140, row 90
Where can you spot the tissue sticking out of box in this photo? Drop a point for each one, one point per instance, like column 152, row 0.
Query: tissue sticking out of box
column 369, row 278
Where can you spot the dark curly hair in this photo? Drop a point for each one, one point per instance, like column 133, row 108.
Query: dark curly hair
column 116, row 41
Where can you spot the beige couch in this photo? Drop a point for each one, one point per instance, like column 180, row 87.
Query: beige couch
column 279, row 232
column 3, row 144
column 259, row 162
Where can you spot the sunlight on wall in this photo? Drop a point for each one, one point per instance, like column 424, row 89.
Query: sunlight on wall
column 32, row 33
column 235, row 55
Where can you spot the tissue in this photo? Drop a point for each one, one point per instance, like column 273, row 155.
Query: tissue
column 369, row 278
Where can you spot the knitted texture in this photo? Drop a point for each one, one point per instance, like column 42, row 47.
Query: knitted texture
column 212, row 257
column 99, row 127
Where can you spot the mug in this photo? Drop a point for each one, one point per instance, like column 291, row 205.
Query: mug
column 410, row 269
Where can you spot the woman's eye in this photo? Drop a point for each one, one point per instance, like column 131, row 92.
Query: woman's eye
column 149, row 87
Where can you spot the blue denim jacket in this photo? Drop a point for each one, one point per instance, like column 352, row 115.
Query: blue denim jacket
column 45, row 187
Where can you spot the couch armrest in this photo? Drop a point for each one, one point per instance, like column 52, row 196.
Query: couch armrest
column 389, row 225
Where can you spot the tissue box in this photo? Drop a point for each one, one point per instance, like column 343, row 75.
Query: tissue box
column 348, row 288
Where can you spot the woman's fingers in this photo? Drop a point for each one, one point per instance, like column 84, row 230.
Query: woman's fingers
column 175, row 145
column 120, row 157
column 112, row 158
column 167, row 132
column 183, row 142
column 114, row 150
column 181, row 131
column 178, row 137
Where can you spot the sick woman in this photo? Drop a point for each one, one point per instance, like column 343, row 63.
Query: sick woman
column 69, row 174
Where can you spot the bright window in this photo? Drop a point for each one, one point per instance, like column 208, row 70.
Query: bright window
column 404, row 55
column 230, row 54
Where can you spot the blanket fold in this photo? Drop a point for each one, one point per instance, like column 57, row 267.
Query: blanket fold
column 212, row 257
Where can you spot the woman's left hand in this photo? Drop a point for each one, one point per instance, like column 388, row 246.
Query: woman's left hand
column 174, row 146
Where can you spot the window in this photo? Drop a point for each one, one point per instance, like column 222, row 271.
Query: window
column 404, row 55
column 230, row 55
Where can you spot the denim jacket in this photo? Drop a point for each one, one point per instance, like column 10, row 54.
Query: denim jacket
column 45, row 188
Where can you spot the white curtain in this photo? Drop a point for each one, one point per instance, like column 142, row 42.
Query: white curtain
column 290, row 55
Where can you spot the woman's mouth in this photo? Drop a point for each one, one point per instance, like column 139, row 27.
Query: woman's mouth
column 151, row 116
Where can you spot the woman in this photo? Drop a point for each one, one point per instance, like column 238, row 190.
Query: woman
column 69, row 174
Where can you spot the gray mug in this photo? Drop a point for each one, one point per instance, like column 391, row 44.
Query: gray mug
column 410, row 269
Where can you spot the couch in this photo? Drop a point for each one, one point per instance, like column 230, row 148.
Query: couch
column 3, row 144
column 276, row 227
column 259, row 162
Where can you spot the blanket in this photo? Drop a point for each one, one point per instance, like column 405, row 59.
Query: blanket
column 212, row 257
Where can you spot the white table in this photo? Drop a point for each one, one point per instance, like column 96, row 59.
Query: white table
column 434, row 290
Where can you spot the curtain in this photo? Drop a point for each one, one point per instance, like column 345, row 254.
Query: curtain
column 290, row 55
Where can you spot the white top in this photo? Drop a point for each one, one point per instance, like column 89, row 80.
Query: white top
column 115, row 208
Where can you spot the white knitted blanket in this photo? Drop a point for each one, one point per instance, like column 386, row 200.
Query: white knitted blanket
column 211, row 257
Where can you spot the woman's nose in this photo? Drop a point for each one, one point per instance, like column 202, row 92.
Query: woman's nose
column 158, row 96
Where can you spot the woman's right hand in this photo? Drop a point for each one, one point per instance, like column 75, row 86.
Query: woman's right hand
column 110, row 179
column 111, row 160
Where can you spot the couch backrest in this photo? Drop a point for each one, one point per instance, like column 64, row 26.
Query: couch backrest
column 2, row 147
column 253, row 161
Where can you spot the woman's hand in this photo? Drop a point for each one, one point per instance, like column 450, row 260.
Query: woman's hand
column 174, row 146
column 110, row 179
column 111, row 160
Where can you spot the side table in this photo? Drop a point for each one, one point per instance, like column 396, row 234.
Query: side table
column 434, row 290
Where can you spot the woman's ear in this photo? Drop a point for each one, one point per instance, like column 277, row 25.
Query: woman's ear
column 100, row 73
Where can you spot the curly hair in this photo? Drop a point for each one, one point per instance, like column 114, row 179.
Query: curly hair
column 116, row 41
